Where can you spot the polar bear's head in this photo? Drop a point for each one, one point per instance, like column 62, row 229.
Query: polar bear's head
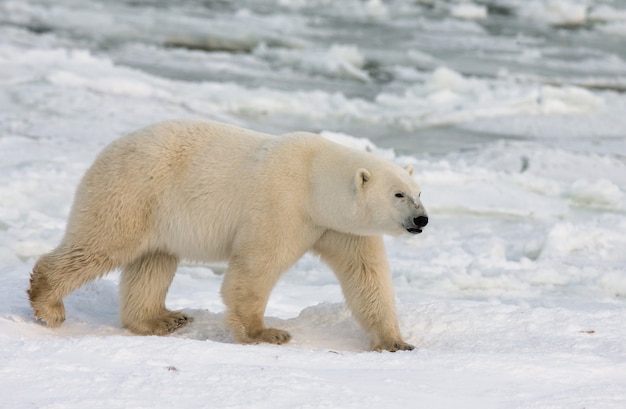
column 388, row 200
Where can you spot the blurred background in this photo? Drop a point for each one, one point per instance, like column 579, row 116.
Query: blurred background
column 513, row 113
column 419, row 76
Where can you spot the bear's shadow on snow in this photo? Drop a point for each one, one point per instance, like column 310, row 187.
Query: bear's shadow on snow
column 94, row 309
column 206, row 326
column 95, row 304
column 324, row 326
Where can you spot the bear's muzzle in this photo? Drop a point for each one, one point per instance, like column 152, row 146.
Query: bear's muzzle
column 416, row 224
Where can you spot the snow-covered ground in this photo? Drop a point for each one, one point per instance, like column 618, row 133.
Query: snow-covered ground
column 512, row 113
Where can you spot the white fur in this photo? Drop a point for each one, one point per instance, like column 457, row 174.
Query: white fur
column 208, row 191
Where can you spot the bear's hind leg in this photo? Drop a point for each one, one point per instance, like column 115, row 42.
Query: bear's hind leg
column 57, row 274
column 143, row 289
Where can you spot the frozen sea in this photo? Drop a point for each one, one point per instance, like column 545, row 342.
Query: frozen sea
column 512, row 112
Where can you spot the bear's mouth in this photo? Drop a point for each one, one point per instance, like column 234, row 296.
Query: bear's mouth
column 414, row 230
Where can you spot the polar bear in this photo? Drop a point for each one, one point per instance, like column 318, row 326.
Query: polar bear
column 207, row 191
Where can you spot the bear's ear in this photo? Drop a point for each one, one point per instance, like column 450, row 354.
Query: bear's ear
column 361, row 178
column 409, row 169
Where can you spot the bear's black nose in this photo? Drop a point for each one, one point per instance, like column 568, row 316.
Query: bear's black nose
column 421, row 221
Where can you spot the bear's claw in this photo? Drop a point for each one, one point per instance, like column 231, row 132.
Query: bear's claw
column 161, row 325
column 394, row 347
column 173, row 321
column 271, row 336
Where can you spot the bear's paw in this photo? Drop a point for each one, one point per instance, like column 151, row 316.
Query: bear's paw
column 394, row 346
column 164, row 324
column 270, row 336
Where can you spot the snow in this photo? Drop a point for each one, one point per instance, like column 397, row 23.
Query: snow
column 469, row 11
column 559, row 12
column 514, row 294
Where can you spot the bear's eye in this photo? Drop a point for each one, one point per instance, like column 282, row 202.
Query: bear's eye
column 400, row 195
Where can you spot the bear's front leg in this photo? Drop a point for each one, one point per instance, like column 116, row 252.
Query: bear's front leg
column 245, row 293
column 360, row 263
